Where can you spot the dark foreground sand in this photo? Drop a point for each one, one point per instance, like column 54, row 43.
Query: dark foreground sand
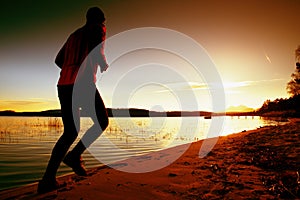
column 257, row 164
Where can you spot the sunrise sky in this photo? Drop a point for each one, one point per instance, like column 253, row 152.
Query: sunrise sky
column 252, row 44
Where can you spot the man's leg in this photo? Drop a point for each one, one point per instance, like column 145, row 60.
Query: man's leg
column 71, row 128
column 99, row 116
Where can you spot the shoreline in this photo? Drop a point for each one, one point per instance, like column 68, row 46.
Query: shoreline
column 251, row 164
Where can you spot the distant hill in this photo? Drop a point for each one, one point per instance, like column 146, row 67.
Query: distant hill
column 240, row 108
column 46, row 113
column 115, row 112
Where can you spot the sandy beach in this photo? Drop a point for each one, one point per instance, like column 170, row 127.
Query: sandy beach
column 257, row 164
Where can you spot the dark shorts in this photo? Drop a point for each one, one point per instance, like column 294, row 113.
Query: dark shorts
column 78, row 101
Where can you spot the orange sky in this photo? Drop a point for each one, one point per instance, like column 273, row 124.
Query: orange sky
column 252, row 44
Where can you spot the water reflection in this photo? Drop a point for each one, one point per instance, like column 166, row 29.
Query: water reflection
column 127, row 130
column 14, row 130
column 26, row 142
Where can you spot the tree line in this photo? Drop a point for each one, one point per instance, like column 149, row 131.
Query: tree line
column 289, row 106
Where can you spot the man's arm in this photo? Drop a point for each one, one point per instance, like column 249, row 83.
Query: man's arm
column 103, row 63
column 98, row 40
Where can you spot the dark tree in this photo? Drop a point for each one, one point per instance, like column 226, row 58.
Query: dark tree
column 293, row 86
column 297, row 54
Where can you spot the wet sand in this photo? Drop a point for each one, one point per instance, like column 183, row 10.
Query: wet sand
column 258, row 164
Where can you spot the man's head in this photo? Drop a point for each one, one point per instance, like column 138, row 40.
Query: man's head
column 95, row 15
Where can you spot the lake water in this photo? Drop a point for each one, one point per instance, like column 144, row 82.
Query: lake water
column 26, row 142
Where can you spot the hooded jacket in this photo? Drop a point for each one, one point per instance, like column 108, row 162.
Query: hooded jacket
column 81, row 55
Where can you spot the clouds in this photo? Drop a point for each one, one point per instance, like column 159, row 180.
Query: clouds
column 230, row 85
column 196, row 86
column 182, row 86
column 250, row 93
column 21, row 102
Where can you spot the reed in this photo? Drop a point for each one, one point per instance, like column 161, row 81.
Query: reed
column 54, row 122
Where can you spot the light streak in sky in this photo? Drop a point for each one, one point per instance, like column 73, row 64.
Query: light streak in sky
column 267, row 57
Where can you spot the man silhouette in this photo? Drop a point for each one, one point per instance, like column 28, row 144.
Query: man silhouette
column 79, row 59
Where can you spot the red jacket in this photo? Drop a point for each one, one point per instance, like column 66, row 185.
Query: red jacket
column 76, row 58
